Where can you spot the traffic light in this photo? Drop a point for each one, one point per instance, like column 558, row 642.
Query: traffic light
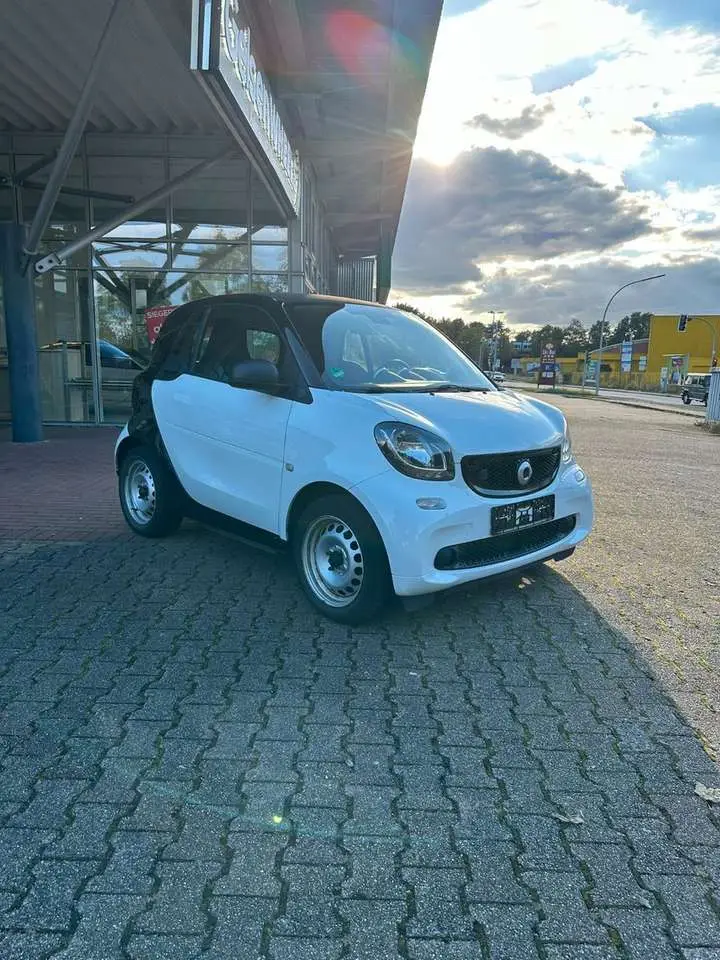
column 683, row 322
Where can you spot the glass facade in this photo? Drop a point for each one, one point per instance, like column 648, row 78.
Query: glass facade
column 219, row 233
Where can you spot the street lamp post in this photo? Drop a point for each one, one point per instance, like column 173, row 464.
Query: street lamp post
column 657, row 276
column 494, row 338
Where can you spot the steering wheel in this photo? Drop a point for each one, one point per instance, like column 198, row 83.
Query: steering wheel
column 395, row 366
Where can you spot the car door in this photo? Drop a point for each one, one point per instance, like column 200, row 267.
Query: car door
column 227, row 442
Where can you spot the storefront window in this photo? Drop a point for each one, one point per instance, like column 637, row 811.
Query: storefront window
column 269, row 232
column 219, row 234
column 269, row 257
column 270, row 283
column 62, row 311
column 209, row 232
column 126, row 254
column 136, row 229
column 210, row 256
column 122, row 347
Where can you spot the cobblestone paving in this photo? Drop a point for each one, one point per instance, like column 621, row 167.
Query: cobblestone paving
column 195, row 765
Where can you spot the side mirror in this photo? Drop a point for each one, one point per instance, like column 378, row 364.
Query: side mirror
column 257, row 374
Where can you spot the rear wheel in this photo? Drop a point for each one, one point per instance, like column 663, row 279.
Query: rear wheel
column 149, row 494
column 686, row 398
column 341, row 560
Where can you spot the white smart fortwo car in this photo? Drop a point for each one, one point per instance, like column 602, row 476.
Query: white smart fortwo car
column 356, row 433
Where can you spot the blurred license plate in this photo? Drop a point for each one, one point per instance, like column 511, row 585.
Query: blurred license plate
column 512, row 516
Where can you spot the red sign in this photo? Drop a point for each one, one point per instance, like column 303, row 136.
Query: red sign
column 155, row 317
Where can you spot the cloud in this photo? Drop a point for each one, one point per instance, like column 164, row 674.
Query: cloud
column 513, row 128
column 564, row 74
column 490, row 205
column 555, row 294
column 704, row 236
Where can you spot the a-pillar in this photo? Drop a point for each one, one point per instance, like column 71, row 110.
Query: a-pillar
column 19, row 307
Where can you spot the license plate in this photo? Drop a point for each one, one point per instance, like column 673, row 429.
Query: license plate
column 513, row 516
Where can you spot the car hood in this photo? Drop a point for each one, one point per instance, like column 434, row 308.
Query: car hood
column 494, row 422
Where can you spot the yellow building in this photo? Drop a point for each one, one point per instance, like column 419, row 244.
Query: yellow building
column 682, row 353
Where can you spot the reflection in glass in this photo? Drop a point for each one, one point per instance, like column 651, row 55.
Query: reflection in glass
column 123, row 346
column 208, row 232
column 266, row 257
column 269, row 232
column 210, row 256
column 270, row 283
column 63, row 332
column 123, row 254
column 195, row 286
column 133, row 229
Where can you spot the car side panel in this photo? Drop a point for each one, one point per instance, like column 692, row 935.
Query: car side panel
column 328, row 441
column 226, row 445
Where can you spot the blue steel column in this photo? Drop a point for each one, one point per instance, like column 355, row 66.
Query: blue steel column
column 19, row 305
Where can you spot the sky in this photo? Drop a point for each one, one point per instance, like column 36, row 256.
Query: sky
column 565, row 148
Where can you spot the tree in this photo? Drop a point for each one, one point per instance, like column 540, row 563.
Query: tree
column 635, row 326
column 548, row 334
column 575, row 339
column 594, row 334
column 409, row 308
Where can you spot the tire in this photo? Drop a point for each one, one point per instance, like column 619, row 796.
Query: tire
column 149, row 495
column 341, row 560
column 686, row 399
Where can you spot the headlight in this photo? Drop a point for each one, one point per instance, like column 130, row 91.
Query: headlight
column 567, row 453
column 415, row 452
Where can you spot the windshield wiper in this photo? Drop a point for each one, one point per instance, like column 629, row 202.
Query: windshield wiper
column 456, row 388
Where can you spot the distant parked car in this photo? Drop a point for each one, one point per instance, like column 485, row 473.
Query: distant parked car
column 696, row 387
column 495, row 375
column 112, row 357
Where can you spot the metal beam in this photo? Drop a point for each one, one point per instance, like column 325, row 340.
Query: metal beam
column 69, row 145
column 32, row 168
column 78, row 192
column 144, row 203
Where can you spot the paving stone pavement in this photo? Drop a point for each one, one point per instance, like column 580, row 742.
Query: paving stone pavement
column 195, row 765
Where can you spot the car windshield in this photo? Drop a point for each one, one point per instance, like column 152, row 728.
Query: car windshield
column 363, row 348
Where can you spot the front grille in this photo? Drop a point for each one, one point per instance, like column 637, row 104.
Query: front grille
column 496, row 474
column 505, row 546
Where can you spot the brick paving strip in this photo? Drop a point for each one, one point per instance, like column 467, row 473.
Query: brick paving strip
column 195, row 765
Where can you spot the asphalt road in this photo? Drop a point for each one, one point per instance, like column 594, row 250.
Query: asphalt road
column 193, row 764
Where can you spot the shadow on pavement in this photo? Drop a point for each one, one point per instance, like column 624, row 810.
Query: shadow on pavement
column 193, row 760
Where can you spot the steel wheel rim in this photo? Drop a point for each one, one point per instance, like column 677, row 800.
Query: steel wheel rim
column 139, row 493
column 333, row 561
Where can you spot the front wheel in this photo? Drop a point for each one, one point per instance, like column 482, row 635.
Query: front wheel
column 149, row 494
column 341, row 560
column 686, row 399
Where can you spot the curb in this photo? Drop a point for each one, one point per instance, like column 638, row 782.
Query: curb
column 622, row 403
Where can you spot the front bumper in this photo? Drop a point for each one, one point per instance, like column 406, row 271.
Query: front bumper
column 413, row 536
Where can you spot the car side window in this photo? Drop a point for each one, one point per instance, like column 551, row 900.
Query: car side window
column 263, row 345
column 235, row 334
column 172, row 350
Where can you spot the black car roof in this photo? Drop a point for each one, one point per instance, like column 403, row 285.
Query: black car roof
column 258, row 299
